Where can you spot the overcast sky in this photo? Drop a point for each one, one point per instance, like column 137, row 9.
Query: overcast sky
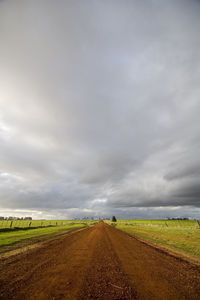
column 100, row 108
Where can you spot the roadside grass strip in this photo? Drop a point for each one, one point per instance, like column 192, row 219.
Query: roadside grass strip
column 180, row 235
column 13, row 236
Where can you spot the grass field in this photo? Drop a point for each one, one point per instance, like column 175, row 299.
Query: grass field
column 180, row 235
column 21, row 232
column 37, row 223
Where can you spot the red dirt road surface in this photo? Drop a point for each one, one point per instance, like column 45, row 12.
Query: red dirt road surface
column 99, row 262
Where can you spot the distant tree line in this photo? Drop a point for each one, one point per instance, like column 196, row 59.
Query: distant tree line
column 177, row 218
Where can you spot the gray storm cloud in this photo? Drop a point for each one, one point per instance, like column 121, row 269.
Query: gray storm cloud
column 99, row 108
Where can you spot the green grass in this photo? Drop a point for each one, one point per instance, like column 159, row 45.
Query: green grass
column 180, row 235
column 37, row 223
column 12, row 236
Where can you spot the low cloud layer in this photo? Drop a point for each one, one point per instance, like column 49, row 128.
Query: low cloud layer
column 99, row 108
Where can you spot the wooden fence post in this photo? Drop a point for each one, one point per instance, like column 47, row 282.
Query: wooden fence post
column 198, row 223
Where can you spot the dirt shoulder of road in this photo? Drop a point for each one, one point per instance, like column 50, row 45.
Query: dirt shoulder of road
column 167, row 250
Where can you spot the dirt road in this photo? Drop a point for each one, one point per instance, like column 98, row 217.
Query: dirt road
column 100, row 262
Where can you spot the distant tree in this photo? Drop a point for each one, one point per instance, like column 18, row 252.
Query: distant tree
column 114, row 219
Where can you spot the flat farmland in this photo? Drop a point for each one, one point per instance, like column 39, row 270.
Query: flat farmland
column 98, row 262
